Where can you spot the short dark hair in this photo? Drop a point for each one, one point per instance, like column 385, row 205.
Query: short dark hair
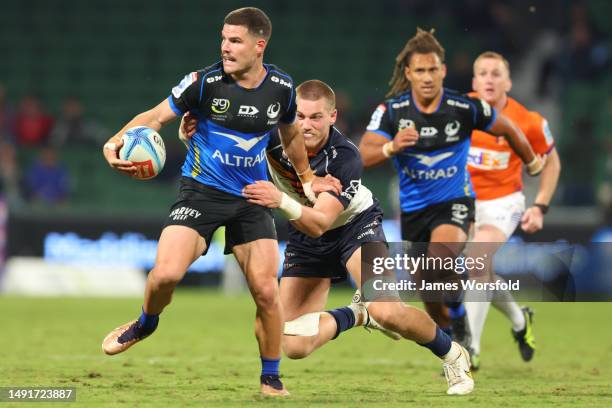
column 313, row 90
column 255, row 20
column 424, row 42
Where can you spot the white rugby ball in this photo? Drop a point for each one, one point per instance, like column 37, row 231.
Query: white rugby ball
column 145, row 148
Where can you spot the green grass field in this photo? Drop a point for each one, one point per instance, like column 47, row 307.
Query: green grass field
column 204, row 354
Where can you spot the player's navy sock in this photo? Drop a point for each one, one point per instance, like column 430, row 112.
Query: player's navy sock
column 441, row 344
column 269, row 366
column 345, row 319
column 456, row 310
column 148, row 322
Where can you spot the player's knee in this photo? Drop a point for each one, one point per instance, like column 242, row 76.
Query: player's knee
column 166, row 276
column 294, row 347
column 384, row 313
column 265, row 294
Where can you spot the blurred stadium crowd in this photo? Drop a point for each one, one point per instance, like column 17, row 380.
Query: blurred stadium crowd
column 76, row 70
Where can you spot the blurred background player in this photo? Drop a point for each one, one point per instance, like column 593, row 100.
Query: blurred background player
column 227, row 152
column 496, row 172
column 425, row 130
column 326, row 242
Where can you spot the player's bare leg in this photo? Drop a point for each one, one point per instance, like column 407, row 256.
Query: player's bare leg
column 301, row 297
column 178, row 247
column 416, row 325
column 259, row 260
column 452, row 313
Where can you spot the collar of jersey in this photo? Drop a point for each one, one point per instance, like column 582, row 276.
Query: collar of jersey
column 251, row 89
column 437, row 107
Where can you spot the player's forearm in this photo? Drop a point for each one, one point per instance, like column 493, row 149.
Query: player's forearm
column 516, row 139
column 549, row 178
column 313, row 222
column 292, row 140
column 371, row 153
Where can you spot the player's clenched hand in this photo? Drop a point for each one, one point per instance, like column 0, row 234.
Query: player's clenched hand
column 111, row 154
column 187, row 128
column 533, row 220
column 405, row 138
column 537, row 165
column 263, row 193
column 328, row 183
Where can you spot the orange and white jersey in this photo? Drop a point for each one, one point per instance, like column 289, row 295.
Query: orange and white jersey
column 495, row 169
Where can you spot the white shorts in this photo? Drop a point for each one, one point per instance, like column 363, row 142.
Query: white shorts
column 503, row 213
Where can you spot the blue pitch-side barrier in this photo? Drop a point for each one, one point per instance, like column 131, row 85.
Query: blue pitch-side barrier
column 590, row 265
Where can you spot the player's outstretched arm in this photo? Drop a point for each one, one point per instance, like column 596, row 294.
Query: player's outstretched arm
column 517, row 140
column 313, row 222
column 375, row 148
column 153, row 118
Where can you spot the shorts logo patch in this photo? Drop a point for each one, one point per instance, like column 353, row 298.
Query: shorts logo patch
column 459, row 213
column 182, row 213
column 369, row 231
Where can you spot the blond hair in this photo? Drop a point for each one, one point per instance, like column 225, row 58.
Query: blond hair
column 424, row 42
column 492, row 55
column 313, row 90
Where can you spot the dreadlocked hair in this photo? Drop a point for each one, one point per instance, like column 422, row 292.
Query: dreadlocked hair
column 423, row 42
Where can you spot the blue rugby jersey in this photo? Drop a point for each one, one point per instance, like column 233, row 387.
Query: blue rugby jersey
column 228, row 150
column 434, row 170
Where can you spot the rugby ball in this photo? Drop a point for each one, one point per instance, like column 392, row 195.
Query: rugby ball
column 145, row 148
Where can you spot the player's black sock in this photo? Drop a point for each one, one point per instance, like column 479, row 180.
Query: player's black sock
column 345, row 319
column 440, row 345
column 148, row 322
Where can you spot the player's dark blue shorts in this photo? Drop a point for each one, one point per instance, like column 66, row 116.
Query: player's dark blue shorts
column 205, row 209
column 326, row 256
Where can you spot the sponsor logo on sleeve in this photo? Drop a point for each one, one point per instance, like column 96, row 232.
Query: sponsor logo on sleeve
column 189, row 79
column 377, row 117
column 547, row 133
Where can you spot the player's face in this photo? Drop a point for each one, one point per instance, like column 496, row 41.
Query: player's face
column 239, row 49
column 426, row 75
column 315, row 118
column 491, row 80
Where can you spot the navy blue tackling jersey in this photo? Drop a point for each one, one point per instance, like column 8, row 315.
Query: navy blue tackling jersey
column 227, row 151
column 361, row 220
column 338, row 157
column 434, row 170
